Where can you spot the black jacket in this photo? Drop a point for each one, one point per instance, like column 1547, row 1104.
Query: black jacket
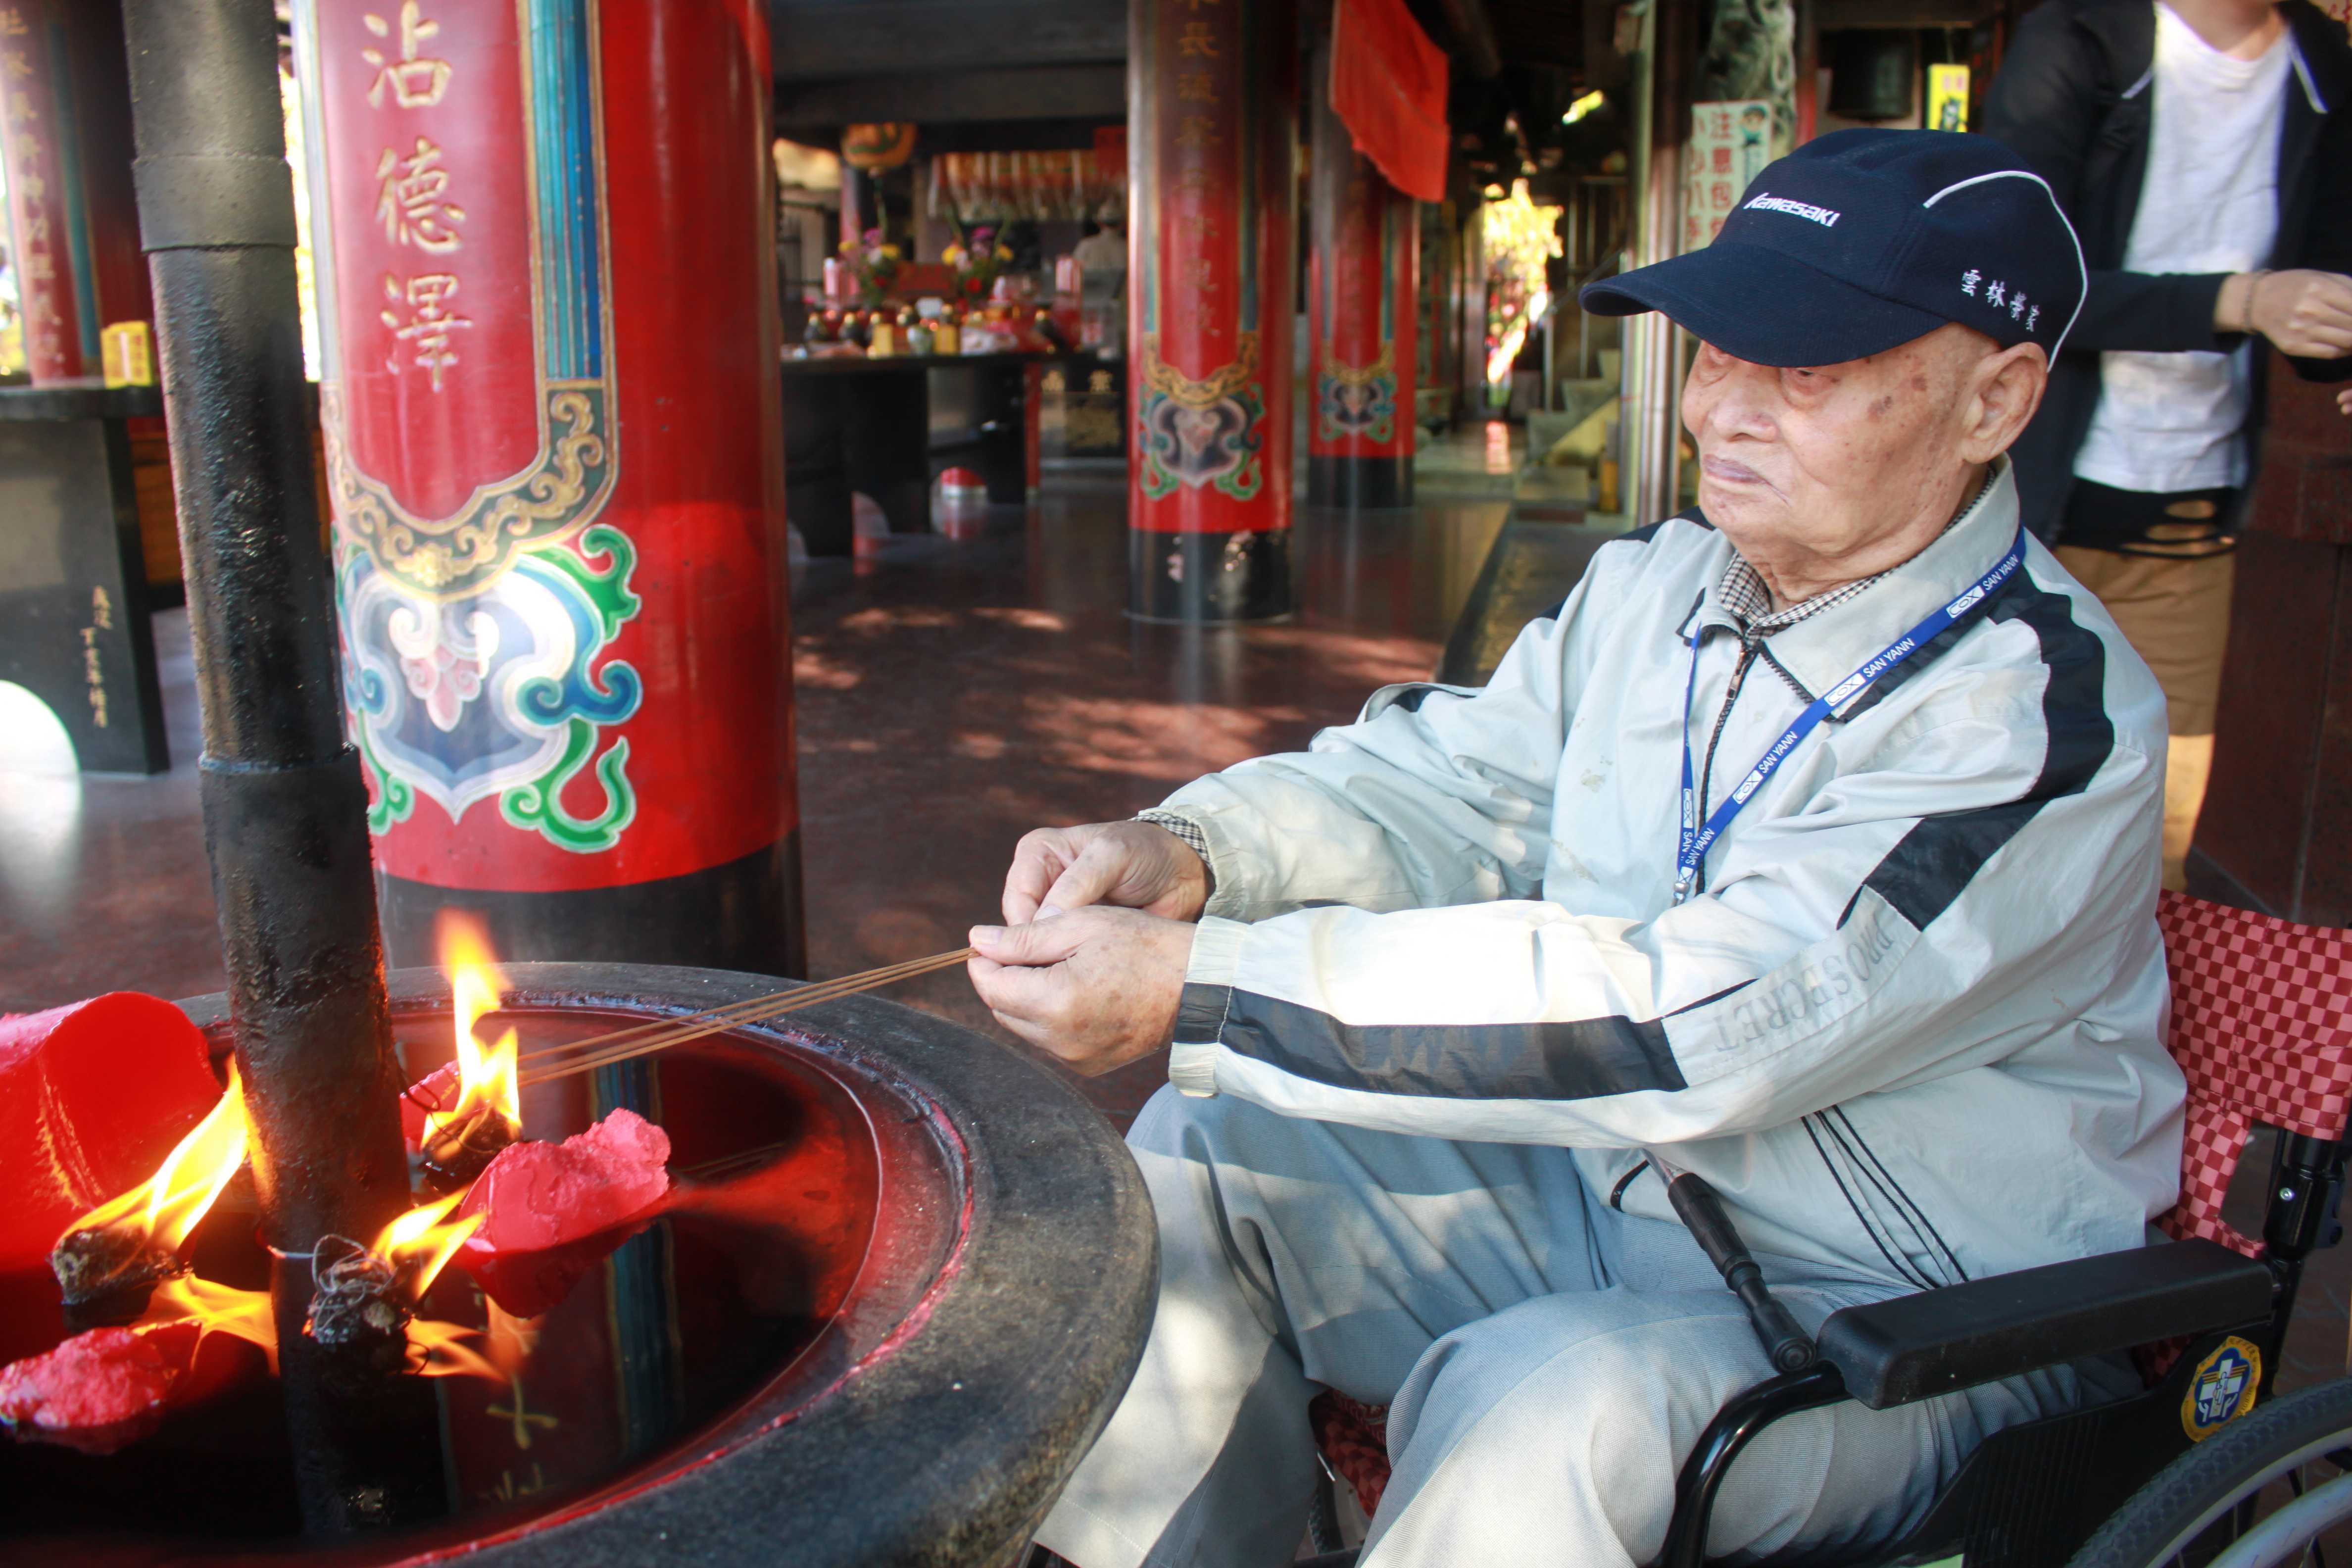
column 2073, row 100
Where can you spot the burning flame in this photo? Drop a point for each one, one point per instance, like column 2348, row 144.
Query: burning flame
column 216, row 1308
column 427, row 1232
column 168, row 1204
column 485, row 1076
column 511, row 1339
column 436, row 1348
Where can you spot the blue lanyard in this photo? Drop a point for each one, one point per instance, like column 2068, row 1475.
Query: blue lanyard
column 1696, row 840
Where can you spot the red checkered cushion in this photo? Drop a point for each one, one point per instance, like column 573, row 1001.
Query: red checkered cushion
column 2262, row 1025
column 1355, row 1438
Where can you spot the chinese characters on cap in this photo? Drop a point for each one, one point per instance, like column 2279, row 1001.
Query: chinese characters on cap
column 1999, row 295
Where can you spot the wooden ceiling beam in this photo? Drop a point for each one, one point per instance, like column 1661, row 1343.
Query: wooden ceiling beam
column 815, row 40
column 939, row 97
column 1474, row 37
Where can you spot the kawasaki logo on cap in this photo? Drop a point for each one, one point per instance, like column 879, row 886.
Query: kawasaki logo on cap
column 1772, row 204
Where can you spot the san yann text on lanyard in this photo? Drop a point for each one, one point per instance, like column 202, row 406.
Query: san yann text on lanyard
column 1696, row 840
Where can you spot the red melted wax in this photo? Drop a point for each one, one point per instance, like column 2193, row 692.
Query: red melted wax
column 107, row 1388
column 552, row 1210
column 95, row 1392
column 536, row 1196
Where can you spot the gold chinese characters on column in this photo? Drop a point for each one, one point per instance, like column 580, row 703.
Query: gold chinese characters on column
column 42, row 262
column 413, row 197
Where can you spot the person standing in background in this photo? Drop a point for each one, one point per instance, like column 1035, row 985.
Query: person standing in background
column 2204, row 150
column 1102, row 252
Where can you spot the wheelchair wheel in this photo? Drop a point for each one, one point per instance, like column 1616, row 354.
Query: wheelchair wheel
column 2260, row 1493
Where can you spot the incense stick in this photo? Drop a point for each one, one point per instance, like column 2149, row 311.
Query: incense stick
column 583, row 1055
column 805, row 995
column 603, row 1050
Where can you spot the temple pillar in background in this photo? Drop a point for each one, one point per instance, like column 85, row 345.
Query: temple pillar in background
column 1362, row 277
column 557, row 472
column 1212, row 97
column 72, row 221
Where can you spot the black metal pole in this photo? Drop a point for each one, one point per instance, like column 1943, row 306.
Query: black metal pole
column 284, row 806
column 285, row 810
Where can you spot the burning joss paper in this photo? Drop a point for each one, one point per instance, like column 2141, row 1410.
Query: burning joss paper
column 366, row 1295
column 458, row 1117
column 91, row 1096
column 129, row 1242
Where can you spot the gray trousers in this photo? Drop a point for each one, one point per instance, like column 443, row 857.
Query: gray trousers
column 1548, row 1360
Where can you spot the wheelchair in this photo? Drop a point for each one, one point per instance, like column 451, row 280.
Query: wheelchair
column 2205, row 1468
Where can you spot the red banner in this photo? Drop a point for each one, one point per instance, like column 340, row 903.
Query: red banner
column 1388, row 82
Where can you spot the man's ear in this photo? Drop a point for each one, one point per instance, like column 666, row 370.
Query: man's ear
column 2004, row 390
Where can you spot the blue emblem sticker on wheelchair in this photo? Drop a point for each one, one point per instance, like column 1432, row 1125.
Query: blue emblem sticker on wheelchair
column 2224, row 1387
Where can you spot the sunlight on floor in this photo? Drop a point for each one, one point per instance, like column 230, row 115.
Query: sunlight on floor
column 31, row 739
column 40, row 806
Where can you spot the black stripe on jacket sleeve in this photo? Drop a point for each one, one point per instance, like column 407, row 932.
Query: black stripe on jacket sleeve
column 1582, row 1059
column 1647, row 532
column 1933, row 862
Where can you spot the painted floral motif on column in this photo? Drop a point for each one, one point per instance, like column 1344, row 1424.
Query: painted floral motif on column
column 1206, row 432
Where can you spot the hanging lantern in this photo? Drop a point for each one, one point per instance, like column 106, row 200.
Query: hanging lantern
column 874, row 147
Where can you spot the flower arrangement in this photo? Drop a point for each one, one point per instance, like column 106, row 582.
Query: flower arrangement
column 875, row 265
column 977, row 266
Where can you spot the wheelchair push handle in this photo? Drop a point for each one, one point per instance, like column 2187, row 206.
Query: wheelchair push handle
column 1786, row 1346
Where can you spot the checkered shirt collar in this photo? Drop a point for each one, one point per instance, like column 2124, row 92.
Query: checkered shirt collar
column 1744, row 597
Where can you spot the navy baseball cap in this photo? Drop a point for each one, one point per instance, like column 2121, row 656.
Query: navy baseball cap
column 1862, row 241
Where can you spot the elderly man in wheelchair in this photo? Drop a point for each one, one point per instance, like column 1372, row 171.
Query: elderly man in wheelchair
column 1779, row 916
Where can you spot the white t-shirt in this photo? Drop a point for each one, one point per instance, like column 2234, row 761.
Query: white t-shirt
column 2170, row 421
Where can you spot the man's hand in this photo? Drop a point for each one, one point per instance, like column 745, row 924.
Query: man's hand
column 2304, row 312
column 1135, row 865
column 1097, row 988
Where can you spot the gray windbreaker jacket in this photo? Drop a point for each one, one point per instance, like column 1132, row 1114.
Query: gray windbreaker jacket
column 1910, row 1026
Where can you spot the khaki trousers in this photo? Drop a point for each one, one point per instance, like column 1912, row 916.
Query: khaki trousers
column 2175, row 612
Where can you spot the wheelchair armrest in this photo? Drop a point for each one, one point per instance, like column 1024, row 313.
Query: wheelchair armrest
column 1915, row 1347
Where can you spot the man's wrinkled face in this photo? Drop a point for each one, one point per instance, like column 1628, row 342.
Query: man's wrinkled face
column 1814, row 463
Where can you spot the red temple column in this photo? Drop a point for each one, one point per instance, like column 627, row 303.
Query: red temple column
column 1362, row 270
column 1213, row 201
column 554, row 448
column 72, row 219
